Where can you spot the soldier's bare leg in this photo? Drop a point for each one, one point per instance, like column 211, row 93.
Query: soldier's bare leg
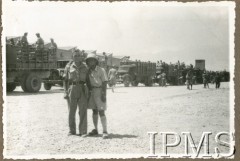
column 104, row 123
column 95, row 118
column 103, row 120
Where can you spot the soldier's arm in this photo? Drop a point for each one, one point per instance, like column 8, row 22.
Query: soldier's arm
column 109, row 73
column 65, row 81
column 65, row 85
column 104, row 85
column 88, row 83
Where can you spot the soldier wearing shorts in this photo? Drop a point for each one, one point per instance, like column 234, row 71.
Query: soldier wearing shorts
column 112, row 77
column 76, row 92
column 97, row 85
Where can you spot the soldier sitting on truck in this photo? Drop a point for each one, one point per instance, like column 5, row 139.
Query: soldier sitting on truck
column 39, row 42
column 23, row 40
column 11, row 42
column 53, row 45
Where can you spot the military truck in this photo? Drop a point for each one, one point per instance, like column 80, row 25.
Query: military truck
column 56, row 75
column 135, row 72
column 28, row 67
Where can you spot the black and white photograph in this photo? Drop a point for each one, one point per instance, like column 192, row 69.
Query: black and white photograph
column 101, row 80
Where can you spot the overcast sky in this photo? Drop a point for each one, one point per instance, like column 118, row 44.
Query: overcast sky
column 145, row 31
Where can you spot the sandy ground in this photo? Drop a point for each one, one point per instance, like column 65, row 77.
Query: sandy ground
column 37, row 123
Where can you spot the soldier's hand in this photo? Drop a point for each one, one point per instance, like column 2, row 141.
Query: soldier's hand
column 65, row 95
column 103, row 97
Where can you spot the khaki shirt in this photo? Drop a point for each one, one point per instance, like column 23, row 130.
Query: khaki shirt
column 24, row 40
column 40, row 43
column 53, row 45
column 74, row 73
column 112, row 73
column 97, row 77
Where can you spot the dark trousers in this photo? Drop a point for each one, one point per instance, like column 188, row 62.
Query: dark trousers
column 206, row 85
column 77, row 99
column 217, row 84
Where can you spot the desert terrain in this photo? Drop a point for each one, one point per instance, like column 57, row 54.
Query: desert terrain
column 37, row 124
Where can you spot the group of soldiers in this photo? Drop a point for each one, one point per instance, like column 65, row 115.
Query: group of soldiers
column 190, row 79
column 162, row 79
column 39, row 44
column 85, row 84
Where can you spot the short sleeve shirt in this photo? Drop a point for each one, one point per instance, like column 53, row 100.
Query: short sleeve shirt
column 75, row 73
column 112, row 73
column 40, row 42
column 53, row 45
column 24, row 40
column 98, row 76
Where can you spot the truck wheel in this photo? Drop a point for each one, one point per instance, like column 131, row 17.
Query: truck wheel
column 160, row 82
column 149, row 83
column 135, row 83
column 23, row 83
column 33, row 83
column 11, row 87
column 47, row 86
column 126, row 80
column 126, row 83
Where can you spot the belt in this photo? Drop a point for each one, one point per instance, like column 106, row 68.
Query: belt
column 76, row 82
column 97, row 87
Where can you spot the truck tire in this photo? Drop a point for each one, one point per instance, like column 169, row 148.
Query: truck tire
column 47, row 86
column 149, row 82
column 126, row 83
column 160, row 82
column 23, row 83
column 33, row 83
column 126, row 80
column 134, row 83
column 11, row 87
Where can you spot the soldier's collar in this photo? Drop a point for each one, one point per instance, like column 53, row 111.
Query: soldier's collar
column 95, row 69
column 81, row 65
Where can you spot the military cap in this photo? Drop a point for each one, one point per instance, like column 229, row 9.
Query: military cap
column 92, row 56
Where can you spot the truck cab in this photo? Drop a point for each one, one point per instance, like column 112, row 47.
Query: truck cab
column 136, row 72
column 126, row 74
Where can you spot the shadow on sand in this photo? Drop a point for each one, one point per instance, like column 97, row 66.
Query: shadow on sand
column 21, row 93
column 117, row 136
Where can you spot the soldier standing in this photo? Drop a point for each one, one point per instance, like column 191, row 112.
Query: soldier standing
column 205, row 79
column 189, row 80
column 163, row 77
column 39, row 42
column 217, row 80
column 53, row 45
column 76, row 92
column 97, row 85
column 112, row 77
column 24, row 41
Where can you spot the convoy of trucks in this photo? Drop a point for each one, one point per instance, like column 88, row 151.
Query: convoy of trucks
column 29, row 67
